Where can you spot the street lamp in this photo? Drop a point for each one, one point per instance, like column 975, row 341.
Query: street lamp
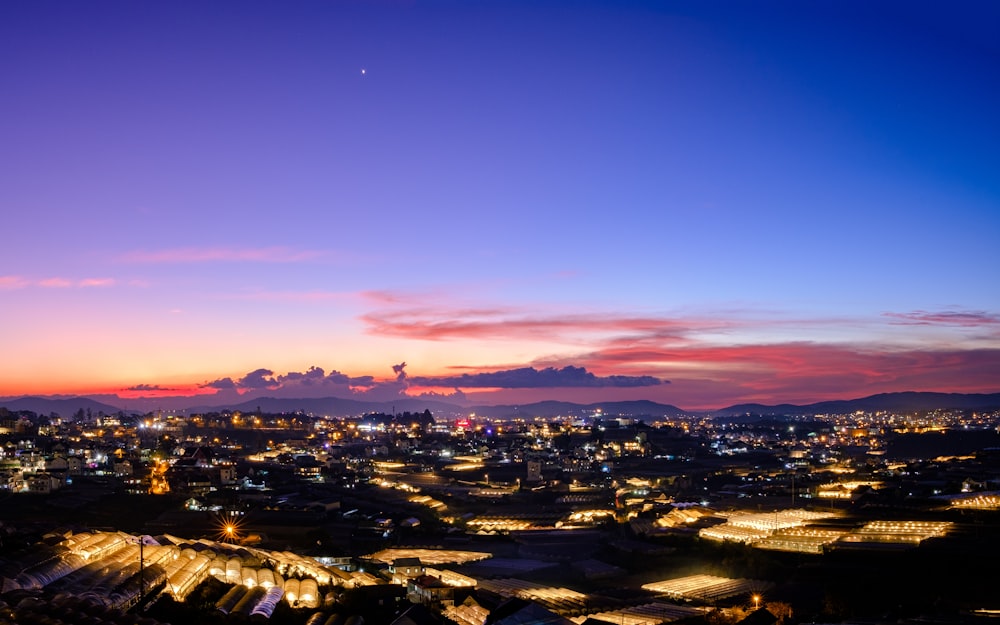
column 756, row 601
column 229, row 528
column 142, row 569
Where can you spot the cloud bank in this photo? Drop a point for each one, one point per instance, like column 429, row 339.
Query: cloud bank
column 530, row 377
column 55, row 282
column 710, row 362
column 714, row 360
column 968, row 319
column 315, row 382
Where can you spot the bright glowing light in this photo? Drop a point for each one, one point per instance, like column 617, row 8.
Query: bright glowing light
column 229, row 528
column 429, row 557
column 704, row 587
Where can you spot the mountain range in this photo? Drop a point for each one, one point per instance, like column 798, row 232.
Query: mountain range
column 909, row 401
column 335, row 406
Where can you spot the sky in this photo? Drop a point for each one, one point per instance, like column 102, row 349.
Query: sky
column 695, row 203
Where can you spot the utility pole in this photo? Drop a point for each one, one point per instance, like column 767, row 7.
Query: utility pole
column 142, row 570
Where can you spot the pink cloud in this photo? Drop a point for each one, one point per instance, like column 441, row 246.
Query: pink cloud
column 799, row 371
column 710, row 361
column 224, row 254
column 504, row 324
column 972, row 318
column 97, row 282
column 691, row 352
column 702, row 377
column 406, row 315
column 13, row 282
column 56, row 283
column 66, row 283
column 387, row 297
column 151, row 391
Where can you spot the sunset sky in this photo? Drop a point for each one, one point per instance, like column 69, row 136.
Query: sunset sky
column 695, row 203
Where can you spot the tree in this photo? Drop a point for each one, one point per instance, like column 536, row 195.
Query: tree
column 780, row 609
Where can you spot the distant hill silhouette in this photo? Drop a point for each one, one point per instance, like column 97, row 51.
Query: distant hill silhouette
column 638, row 408
column 64, row 407
column 336, row 406
column 906, row 401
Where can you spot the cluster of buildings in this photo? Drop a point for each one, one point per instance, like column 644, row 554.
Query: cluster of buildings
column 594, row 497
column 635, row 464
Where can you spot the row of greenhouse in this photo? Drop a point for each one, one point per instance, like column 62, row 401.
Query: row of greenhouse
column 113, row 570
column 245, row 598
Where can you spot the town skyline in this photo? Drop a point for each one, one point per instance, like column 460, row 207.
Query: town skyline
column 694, row 205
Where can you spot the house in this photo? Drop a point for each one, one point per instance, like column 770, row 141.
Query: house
column 430, row 591
column 404, row 568
column 43, row 483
